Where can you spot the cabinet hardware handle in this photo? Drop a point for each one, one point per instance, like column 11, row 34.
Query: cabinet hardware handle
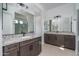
column 31, row 47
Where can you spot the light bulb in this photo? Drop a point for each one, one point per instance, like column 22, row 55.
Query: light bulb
column 16, row 21
column 21, row 22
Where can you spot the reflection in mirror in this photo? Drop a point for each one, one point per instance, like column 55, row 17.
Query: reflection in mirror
column 21, row 24
column 58, row 25
column 24, row 23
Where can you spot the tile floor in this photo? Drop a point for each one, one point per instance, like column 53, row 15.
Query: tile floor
column 50, row 50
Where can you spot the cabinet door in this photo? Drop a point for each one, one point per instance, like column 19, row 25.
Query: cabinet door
column 11, row 53
column 69, row 42
column 52, row 39
column 31, row 47
column 35, row 48
column 60, row 40
column 11, row 50
column 46, row 38
column 24, row 50
column 38, row 46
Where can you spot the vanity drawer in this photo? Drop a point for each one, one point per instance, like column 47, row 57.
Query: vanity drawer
column 26, row 42
column 11, row 47
column 69, row 42
column 11, row 50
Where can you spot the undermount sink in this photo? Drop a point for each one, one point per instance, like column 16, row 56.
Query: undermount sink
column 27, row 37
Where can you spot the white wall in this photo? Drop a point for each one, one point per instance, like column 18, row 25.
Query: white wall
column 43, row 18
column 0, row 30
column 7, row 23
column 66, row 11
column 38, row 23
column 8, row 17
column 77, row 36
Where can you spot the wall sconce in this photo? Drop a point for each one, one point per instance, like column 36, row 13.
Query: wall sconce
column 26, row 7
column 57, row 16
column 21, row 4
column 15, row 21
column 4, row 6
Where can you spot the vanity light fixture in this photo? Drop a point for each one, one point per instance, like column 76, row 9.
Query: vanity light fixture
column 15, row 21
column 58, row 16
column 21, row 22
column 21, row 4
column 53, row 20
column 26, row 7
column 4, row 6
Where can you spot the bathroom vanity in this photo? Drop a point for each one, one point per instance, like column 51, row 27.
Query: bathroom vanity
column 30, row 46
column 66, row 40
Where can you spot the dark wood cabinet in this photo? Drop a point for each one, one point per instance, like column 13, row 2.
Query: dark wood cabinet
column 35, row 48
column 51, row 39
column 54, row 39
column 69, row 42
column 46, row 39
column 24, row 50
column 11, row 50
column 66, row 41
column 60, row 40
column 31, row 47
column 11, row 53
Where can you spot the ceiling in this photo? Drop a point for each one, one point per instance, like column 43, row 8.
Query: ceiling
column 48, row 6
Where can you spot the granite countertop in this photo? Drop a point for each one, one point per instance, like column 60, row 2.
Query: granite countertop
column 60, row 33
column 19, row 39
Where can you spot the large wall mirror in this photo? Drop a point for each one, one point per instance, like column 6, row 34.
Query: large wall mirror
column 16, row 21
column 23, row 23
column 61, row 24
